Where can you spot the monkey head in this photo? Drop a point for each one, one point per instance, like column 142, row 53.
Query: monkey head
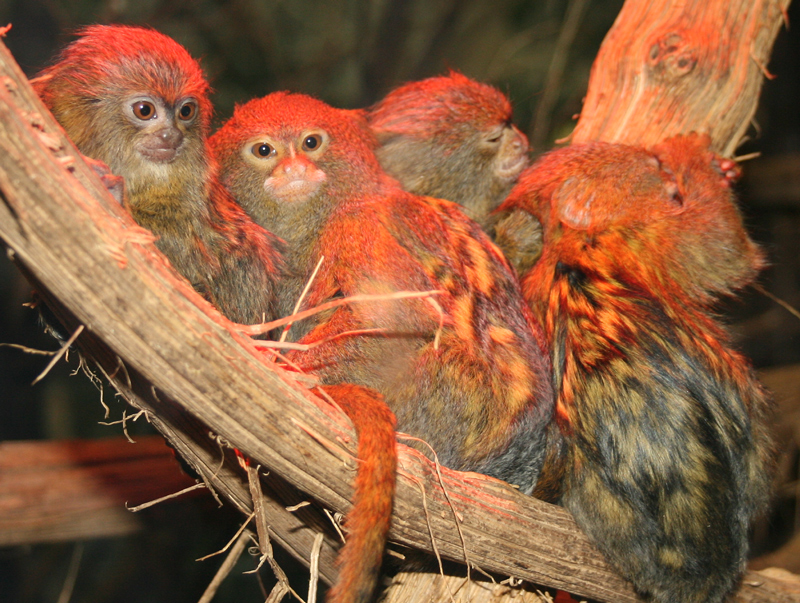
column 142, row 86
column 450, row 137
column 287, row 157
column 672, row 206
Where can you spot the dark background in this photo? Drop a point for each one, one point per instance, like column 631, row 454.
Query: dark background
column 350, row 53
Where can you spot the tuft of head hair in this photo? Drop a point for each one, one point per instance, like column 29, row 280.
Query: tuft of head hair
column 434, row 106
column 107, row 61
column 673, row 203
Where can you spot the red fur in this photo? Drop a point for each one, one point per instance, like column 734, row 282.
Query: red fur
column 668, row 451
column 476, row 389
column 421, row 109
column 450, row 137
column 113, row 60
column 206, row 236
column 368, row 521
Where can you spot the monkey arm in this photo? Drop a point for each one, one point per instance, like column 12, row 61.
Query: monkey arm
column 251, row 262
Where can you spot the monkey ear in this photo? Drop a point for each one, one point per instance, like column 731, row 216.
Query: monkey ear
column 573, row 200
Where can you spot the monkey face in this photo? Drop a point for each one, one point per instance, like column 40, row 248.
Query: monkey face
column 161, row 127
column 290, row 158
column 288, row 164
column 160, row 138
column 509, row 147
column 134, row 99
column 450, row 137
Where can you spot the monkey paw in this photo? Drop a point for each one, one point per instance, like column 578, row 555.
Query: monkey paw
column 727, row 168
column 114, row 184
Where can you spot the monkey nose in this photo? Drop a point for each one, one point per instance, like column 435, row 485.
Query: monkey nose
column 171, row 138
column 520, row 142
column 294, row 170
column 161, row 146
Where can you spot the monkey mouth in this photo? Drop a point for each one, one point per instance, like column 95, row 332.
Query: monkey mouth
column 161, row 148
column 510, row 168
column 292, row 190
column 159, row 155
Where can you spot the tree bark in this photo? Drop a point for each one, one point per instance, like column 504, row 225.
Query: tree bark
column 669, row 68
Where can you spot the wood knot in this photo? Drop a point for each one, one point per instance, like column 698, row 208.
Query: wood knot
column 671, row 56
column 10, row 84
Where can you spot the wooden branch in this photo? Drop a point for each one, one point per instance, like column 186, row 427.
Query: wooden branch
column 435, row 588
column 169, row 352
column 72, row 490
column 668, row 68
column 210, row 456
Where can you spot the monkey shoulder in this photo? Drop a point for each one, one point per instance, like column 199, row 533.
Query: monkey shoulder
column 420, row 243
column 367, row 240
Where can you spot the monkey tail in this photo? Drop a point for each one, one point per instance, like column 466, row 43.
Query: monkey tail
column 368, row 521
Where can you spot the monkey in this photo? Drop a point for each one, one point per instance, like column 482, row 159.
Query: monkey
column 135, row 100
column 668, row 455
column 450, row 137
column 468, row 374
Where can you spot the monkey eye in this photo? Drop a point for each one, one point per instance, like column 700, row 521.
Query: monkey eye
column 187, row 111
column 494, row 137
column 144, row 110
column 262, row 150
column 312, row 142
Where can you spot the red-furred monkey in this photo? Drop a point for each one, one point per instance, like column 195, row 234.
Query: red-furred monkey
column 469, row 373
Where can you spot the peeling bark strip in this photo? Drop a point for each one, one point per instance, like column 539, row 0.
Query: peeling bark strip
column 172, row 354
column 668, row 68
